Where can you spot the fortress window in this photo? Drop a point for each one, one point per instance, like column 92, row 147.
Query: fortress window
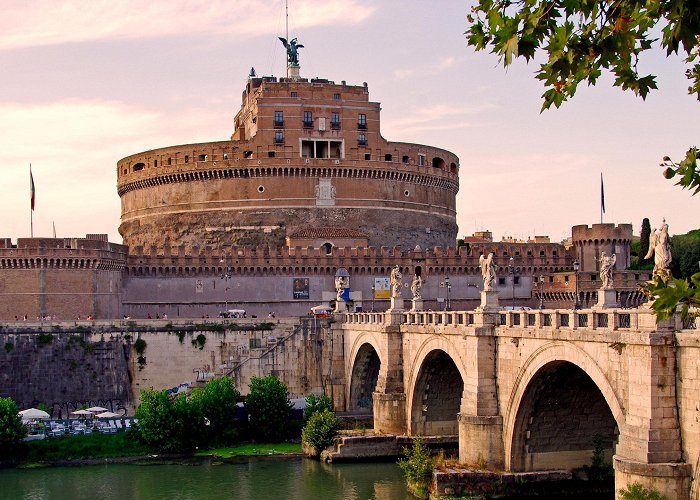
column 335, row 120
column 404, row 159
column 388, row 157
column 203, row 157
column 170, row 161
column 554, row 253
column 279, row 119
column 361, row 139
column 225, row 156
column 187, row 159
column 308, row 119
column 247, row 153
column 261, row 189
column 551, row 279
column 336, row 97
column 516, row 280
column 501, row 281
column 293, row 94
column 453, row 168
column 566, row 278
column 279, row 137
column 327, row 247
column 155, row 163
column 362, row 121
column 407, row 193
column 593, row 277
column 541, row 253
column 368, row 156
column 438, row 163
column 138, row 166
column 421, row 160
column 270, row 154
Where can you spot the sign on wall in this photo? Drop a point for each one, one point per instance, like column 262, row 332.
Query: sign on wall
column 300, row 288
column 382, row 288
column 199, row 286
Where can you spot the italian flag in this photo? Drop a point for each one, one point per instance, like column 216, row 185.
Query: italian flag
column 31, row 186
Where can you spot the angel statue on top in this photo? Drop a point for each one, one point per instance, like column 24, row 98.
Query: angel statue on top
column 292, row 50
column 660, row 247
column 416, row 286
column 488, row 270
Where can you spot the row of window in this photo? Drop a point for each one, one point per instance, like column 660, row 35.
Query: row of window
column 308, row 120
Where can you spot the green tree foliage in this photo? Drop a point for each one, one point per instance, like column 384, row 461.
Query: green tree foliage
column 218, row 402
column 321, row 429
column 315, row 404
column 418, row 465
column 268, row 407
column 170, row 425
column 12, row 431
column 581, row 38
column 685, row 249
column 636, row 491
column 644, row 239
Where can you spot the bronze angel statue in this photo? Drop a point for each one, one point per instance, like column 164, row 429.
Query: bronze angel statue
column 488, row 271
column 292, row 50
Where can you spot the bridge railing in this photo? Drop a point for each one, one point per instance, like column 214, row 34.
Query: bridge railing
column 591, row 319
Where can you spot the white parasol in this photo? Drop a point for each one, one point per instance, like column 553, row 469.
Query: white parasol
column 107, row 414
column 33, row 413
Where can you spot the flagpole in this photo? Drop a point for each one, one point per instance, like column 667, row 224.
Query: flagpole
column 31, row 205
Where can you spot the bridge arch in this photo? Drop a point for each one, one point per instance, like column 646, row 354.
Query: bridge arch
column 560, row 391
column 365, row 371
column 436, row 389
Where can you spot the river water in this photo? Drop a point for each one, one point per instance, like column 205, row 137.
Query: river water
column 264, row 479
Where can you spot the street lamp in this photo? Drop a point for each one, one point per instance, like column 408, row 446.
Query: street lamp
column 372, row 294
column 448, row 286
column 541, row 292
column 511, row 271
column 576, row 264
column 226, row 275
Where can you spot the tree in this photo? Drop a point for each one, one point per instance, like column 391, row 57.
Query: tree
column 218, row 402
column 268, row 407
column 582, row 38
column 644, row 239
column 170, row 425
column 12, row 431
column 316, row 404
column 321, row 429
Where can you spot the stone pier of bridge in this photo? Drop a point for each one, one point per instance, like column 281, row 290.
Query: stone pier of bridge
column 536, row 390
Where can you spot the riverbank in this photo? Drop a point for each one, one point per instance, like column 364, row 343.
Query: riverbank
column 125, row 448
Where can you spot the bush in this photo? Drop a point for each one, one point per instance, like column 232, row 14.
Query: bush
column 218, row 402
column 268, row 407
column 321, row 429
column 636, row 491
column 418, row 466
column 167, row 425
column 12, row 431
column 315, row 404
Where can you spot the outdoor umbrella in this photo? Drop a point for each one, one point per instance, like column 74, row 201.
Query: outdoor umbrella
column 30, row 413
column 107, row 414
column 81, row 412
column 96, row 409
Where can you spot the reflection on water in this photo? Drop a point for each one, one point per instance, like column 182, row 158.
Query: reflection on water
column 254, row 479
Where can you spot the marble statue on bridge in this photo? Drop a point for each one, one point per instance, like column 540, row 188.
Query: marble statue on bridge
column 607, row 263
column 339, row 287
column 396, row 281
column 488, row 271
column 660, row 247
column 416, row 286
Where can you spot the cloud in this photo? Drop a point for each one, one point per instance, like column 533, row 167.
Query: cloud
column 434, row 118
column 48, row 22
column 74, row 146
column 432, row 69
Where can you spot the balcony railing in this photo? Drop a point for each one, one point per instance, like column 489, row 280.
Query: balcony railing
column 335, row 125
column 308, row 124
column 361, row 142
column 361, row 126
column 279, row 123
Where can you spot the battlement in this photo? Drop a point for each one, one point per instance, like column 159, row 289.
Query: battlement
column 601, row 232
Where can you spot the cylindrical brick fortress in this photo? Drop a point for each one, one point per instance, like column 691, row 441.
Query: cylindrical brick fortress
column 304, row 154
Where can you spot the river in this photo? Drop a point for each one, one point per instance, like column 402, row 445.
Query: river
column 264, row 479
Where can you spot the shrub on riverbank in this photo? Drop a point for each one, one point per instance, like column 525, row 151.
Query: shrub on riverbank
column 418, row 467
column 12, row 431
column 316, row 404
column 268, row 407
column 321, row 429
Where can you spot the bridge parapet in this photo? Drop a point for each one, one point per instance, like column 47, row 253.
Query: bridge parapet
column 641, row 319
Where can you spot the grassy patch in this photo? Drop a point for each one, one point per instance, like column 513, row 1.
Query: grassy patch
column 252, row 449
column 82, row 447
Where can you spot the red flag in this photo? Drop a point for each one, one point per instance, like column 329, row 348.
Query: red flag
column 31, row 186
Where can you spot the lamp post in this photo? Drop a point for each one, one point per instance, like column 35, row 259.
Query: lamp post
column 576, row 264
column 511, row 271
column 541, row 292
column 226, row 275
column 448, row 286
column 372, row 294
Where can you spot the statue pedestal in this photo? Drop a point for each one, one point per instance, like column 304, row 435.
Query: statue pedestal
column 607, row 299
column 293, row 71
column 340, row 306
column 417, row 305
column 396, row 304
column 489, row 301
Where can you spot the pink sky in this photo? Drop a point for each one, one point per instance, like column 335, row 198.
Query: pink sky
column 87, row 83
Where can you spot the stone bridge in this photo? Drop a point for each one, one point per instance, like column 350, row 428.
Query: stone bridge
column 534, row 390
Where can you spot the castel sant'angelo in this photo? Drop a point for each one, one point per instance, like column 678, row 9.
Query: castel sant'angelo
column 305, row 187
